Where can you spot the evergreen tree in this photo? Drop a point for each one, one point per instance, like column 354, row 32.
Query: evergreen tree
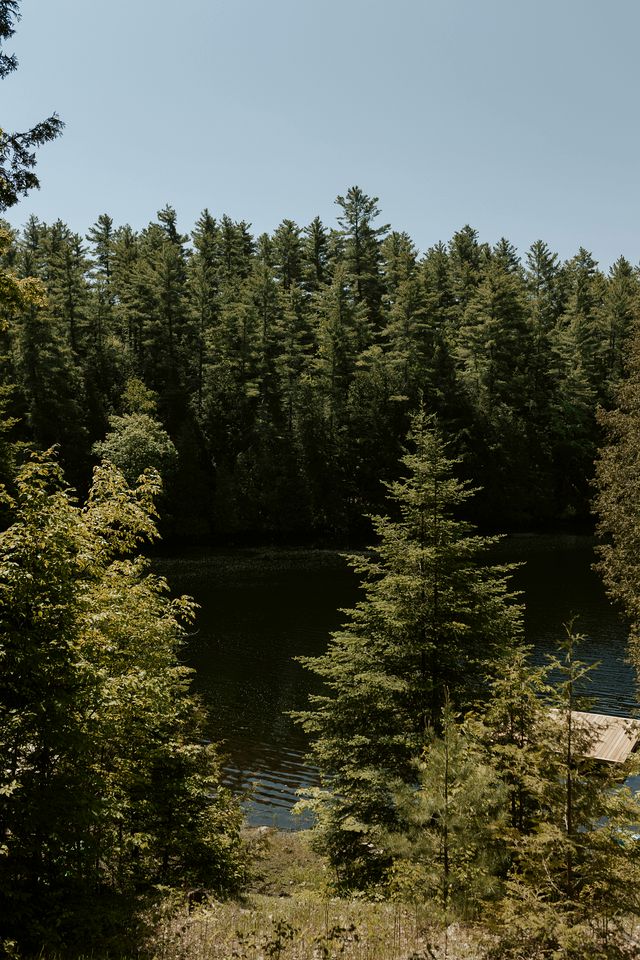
column 620, row 312
column 585, row 341
column 106, row 360
column 162, row 304
column 287, row 253
column 204, row 288
column 16, row 296
column 515, row 726
column 494, row 349
column 51, row 381
column 399, row 257
column 342, row 334
column 17, row 155
column 316, row 255
column 572, row 890
column 361, row 249
column 236, row 249
column 618, row 496
column 466, row 258
column 452, row 850
column 433, row 619
column 543, row 279
column 128, row 316
column 495, row 342
column 66, row 267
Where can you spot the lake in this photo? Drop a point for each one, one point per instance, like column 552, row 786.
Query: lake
column 259, row 609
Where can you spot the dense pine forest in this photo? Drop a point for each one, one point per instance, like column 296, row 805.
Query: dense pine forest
column 271, row 378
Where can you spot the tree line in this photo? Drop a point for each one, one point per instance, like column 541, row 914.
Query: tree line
column 271, row 379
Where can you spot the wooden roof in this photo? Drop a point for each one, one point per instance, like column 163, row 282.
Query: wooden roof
column 607, row 738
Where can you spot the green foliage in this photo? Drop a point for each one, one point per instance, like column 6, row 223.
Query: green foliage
column 452, row 849
column 618, row 495
column 572, row 889
column 434, row 618
column 519, row 736
column 135, row 443
column 285, row 368
column 17, row 156
column 106, row 787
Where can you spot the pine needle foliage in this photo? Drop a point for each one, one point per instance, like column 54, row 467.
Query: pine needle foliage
column 572, row 889
column 617, row 497
column 435, row 619
column 453, row 850
column 17, row 154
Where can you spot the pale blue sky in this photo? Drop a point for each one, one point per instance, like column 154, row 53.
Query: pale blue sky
column 520, row 118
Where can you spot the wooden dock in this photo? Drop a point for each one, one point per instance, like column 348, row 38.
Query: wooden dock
column 607, row 738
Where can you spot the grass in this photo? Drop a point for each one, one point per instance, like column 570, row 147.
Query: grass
column 304, row 929
column 289, row 914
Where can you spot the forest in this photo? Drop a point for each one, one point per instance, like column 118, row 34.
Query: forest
column 319, row 385
column 271, row 379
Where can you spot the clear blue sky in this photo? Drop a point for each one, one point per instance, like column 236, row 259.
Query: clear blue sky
column 520, row 118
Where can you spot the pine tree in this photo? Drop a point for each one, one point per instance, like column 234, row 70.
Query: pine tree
column 362, row 255
column 466, row 258
column 204, row 289
column 452, row 850
column 106, row 360
column 162, row 303
column 49, row 372
column 17, row 155
column 495, row 342
column 287, row 253
column 585, row 341
column 342, row 334
column 618, row 496
column 515, row 726
column 315, row 255
column 620, row 312
column 572, row 890
column 16, row 296
column 433, row 619
column 543, row 279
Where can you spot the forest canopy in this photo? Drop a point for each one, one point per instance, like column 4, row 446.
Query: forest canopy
column 273, row 377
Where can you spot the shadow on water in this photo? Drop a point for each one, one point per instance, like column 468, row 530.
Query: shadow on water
column 559, row 585
column 260, row 609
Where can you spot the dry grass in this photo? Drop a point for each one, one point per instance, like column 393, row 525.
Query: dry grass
column 271, row 922
column 289, row 929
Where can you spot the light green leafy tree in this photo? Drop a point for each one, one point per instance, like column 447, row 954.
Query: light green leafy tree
column 135, row 442
column 106, row 785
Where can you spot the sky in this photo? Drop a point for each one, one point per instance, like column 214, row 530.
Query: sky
column 519, row 117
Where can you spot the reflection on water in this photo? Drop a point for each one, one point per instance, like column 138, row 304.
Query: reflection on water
column 259, row 610
column 559, row 585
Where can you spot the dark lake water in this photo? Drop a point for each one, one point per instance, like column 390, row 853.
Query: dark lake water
column 260, row 609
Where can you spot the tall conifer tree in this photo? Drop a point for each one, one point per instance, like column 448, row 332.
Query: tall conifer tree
column 434, row 620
